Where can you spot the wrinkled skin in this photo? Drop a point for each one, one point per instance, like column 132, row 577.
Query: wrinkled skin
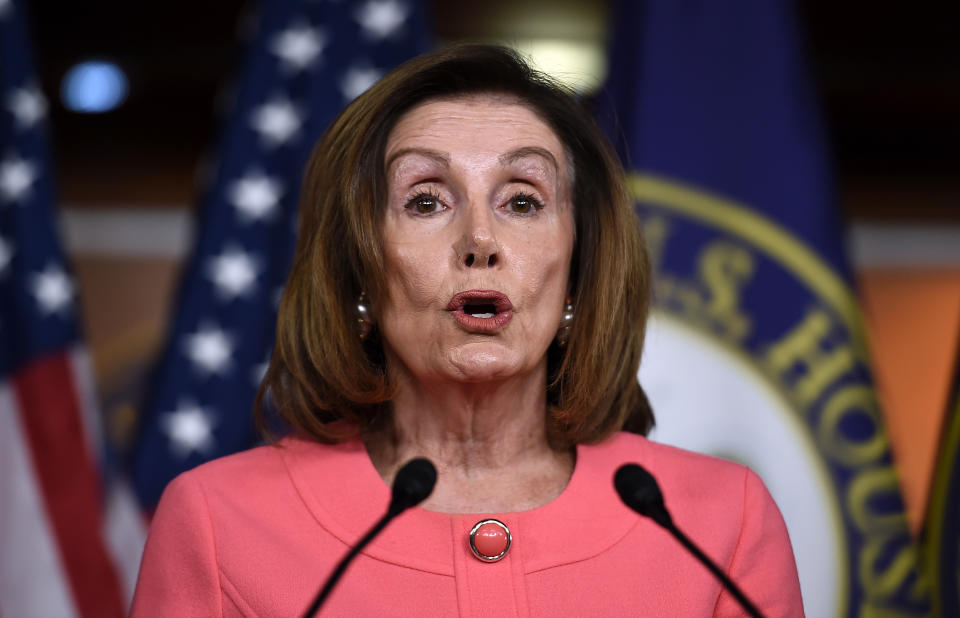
column 453, row 155
column 479, row 199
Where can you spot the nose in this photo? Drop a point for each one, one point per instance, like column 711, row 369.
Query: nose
column 477, row 246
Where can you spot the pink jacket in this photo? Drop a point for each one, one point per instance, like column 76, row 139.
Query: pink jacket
column 257, row 533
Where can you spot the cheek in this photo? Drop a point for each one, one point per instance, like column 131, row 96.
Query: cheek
column 543, row 277
column 413, row 276
column 545, row 263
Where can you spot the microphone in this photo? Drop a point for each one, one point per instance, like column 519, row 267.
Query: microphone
column 411, row 486
column 639, row 491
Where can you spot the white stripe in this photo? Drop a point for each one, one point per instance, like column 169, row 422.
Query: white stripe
column 84, row 385
column 33, row 581
column 125, row 534
column 124, row 531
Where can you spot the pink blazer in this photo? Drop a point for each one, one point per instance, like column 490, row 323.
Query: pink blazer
column 256, row 534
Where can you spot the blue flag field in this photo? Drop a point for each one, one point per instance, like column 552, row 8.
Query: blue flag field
column 756, row 350
column 307, row 60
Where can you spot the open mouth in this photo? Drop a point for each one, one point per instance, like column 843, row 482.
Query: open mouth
column 481, row 310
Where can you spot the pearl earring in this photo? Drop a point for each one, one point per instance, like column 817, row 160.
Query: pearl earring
column 566, row 322
column 364, row 321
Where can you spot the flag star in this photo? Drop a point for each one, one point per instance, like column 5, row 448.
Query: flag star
column 276, row 121
column 6, row 255
column 233, row 272
column 299, row 46
column 52, row 289
column 356, row 81
column 381, row 18
column 190, row 429
column 16, row 177
column 210, row 350
column 27, row 106
column 256, row 195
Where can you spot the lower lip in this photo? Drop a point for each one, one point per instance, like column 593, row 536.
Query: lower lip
column 482, row 325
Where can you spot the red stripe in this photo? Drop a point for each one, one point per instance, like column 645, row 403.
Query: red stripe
column 71, row 487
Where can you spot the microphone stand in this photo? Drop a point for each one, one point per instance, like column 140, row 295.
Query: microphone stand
column 411, row 486
column 712, row 566
column 640, row 491
column 345, row 561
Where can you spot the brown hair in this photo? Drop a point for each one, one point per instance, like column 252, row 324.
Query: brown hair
column 321, row 372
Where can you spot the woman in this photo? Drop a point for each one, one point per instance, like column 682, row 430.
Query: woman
column 470, row 285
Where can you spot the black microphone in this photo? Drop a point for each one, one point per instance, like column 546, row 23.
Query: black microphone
column 639, row 490
column 411, row 486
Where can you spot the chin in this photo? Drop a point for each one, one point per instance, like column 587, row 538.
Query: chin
column 480, row 365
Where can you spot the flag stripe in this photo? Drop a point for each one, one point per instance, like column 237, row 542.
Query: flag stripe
column 125, row 529
column 28, row 552
column 46, row 393
column 86, row 394
column 124, row 525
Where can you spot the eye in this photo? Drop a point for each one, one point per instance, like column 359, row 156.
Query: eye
column 524, row 204
column 425, row 204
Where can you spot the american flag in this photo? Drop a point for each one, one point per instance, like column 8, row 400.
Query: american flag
column 58, row 556
column 307, row 60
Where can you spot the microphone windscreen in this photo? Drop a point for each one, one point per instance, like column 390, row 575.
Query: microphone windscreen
column 639, row 490
column 413, row 483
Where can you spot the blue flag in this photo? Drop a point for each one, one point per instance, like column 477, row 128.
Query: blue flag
column 756, row 350
column 307, row 60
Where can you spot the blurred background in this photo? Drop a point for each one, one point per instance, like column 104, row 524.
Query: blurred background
column 888, row 81
column 138, row 99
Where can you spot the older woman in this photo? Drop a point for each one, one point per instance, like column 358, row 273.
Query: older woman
column 470, row 285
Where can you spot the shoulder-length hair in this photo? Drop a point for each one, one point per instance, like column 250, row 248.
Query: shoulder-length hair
column 321, row 372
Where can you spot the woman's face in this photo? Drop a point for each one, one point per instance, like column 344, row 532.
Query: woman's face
column 478, row 236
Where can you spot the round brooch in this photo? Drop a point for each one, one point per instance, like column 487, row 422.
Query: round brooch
column 490, row 539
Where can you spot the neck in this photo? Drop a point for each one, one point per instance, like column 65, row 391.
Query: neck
column 488, row 441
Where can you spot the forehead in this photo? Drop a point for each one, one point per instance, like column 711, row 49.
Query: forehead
column 480, row 124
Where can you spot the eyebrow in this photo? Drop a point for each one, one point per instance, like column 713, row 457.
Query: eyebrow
column 440, row 157
column 504, row 159
column 530, row 151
